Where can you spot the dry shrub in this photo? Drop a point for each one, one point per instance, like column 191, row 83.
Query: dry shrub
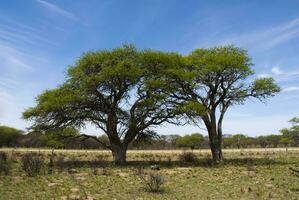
column 188, row 157
column 32, row 164
column 153, row 181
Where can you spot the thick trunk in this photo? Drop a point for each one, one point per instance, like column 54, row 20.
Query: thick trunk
column 216, row 147
column 215, row 137
column 119, row 154
column 216, row 153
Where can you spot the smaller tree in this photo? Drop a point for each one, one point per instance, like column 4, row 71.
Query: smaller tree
column 192, row 141
column 286, row 141
column 57, row 138
column 9, row 136
column 213, row 80
column 273, row 140
column 293, row 132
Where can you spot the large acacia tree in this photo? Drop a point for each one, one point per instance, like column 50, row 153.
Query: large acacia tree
column 117, row 91
column 211, row 81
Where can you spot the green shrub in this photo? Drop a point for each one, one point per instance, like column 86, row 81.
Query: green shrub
column 32, row 164
column 5, row 164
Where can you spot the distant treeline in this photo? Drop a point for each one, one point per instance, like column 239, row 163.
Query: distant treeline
column 70, row 138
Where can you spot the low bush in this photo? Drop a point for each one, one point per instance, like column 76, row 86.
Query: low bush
column 187, row 157
column 32, row 164
column 153, row 181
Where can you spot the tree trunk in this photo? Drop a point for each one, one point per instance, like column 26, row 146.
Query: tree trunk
column 119, row 154
column 216, row 153
column 216, row 147
column 215, row 137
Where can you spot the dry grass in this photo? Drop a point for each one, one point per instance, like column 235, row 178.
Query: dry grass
column 246, row 174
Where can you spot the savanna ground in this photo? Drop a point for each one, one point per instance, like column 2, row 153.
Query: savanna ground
column 79, row 174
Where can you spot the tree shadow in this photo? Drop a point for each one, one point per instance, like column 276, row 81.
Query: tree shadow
column 236, row 162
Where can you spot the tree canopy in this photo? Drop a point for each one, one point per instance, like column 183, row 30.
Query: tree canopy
column 211, row 81
column 125, row 92
column 117, row 91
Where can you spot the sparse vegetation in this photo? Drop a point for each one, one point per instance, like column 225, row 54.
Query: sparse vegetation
column 254, row 174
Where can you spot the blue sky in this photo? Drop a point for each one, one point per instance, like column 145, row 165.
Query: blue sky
column 39, row 39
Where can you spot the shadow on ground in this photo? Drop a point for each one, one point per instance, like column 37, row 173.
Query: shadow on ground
column 238, row 162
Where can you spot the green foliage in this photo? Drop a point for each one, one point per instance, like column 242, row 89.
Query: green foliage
column 238, row 140
column 192, row 141
column 286, row 141
column 264, row 87
column 291, row 135
column 125, row 92
column 56, row 138
column 9, row 135
column 119, row 91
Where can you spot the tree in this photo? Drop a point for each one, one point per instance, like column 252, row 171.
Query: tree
column 190, row 141
column 274, row 140
column 116, row 91
column 286, row 141
column 9, row 136
column 57, row 138
column 293, row 132
column 239, row 140
column 211, row 81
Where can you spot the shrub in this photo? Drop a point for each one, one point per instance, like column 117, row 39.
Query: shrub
column 5, row 165
column 153, row 181
column 188, row 157
column 32, row 164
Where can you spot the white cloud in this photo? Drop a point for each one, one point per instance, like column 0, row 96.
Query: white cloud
column 263, row 75
column 275, row 70
column 291, row 89
column 54, row 8
column 280, row 75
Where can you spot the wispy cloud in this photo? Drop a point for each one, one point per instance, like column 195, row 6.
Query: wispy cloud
column 277, row 71
column 5, row 102
column 54, row 8
column 269, row 37
column 19, row 46
column 13, row 58
column 14, row 33
column 264, row 75
column 291, row 89
column 281, row 75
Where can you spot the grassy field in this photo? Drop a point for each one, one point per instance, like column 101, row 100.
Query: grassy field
column 245, row 174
